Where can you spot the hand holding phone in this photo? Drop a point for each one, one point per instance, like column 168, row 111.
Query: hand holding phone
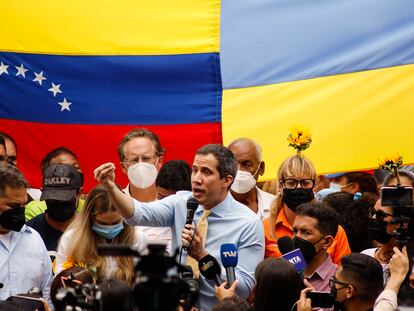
column 30, row 303
column 320, row 299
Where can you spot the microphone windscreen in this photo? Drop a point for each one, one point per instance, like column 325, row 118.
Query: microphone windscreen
column 285, row 244
column 228, row 253
column 209, row 267
column 192, row 205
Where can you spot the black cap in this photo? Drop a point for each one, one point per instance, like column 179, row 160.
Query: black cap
column 61, row 182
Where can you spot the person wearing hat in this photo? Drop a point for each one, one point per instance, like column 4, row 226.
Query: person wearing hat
column 60, row 155
column 62, row 186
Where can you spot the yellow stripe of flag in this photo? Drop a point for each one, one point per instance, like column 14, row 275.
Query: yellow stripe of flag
column 104, row 27
column 355, row 118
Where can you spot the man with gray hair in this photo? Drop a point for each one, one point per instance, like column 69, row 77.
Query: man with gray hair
column 221, row 219
column 249, row 167
column 24, row 262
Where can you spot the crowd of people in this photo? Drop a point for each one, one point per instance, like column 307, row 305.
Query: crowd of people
column 357, row 251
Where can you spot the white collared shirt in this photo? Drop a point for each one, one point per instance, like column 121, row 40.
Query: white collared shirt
column 264, row 201
column 161, row 235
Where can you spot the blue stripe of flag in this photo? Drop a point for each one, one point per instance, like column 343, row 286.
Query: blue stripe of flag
column 288, row 40
column 145, row 90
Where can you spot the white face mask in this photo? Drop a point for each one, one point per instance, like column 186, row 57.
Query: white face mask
column 335, row 186
column 244, row 181
column 142, row 175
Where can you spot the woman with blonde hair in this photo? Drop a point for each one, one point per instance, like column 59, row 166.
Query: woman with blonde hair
column 99, row 223
column 296, row 177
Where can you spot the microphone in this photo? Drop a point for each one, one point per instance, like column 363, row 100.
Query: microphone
column 229, row 259
column 192, row 205
column 210, row 269
column 292, row 254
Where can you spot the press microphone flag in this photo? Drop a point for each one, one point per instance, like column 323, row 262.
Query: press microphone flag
column 229, row 259
column 210, row 269
column 292, row 254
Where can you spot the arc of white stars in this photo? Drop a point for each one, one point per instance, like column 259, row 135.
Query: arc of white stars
column 39, row 77
column 55, row 89
column 21, row 71
column 65, row 105
column 3, row 68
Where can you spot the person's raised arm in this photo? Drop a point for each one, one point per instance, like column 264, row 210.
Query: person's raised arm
column 398, row 268
column 387, row 300
column 105, row 174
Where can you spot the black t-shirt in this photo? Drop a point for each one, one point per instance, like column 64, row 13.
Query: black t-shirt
column 49, row 234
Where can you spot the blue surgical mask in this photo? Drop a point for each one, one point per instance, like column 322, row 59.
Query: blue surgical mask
column 108, row 232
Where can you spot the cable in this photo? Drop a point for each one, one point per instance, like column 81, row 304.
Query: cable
column 191, row 242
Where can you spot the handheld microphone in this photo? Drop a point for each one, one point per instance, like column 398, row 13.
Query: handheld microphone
column 292, row 254
column 210, row 269
column 228, row 253
column 192, row 205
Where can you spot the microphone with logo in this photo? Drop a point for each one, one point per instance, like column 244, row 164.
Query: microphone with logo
column 229, row 260
column 210, row 269
column 292, row 254
column 192, row 205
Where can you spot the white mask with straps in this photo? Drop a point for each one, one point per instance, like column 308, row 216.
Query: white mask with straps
column 244, row 181
column 142, row 175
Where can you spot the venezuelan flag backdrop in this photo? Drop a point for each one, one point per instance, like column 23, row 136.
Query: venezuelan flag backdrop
column 83, row 73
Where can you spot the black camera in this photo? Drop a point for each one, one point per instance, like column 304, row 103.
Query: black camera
column 86, row 297
column 398, row 197
column 401, row 200
column 158, row 286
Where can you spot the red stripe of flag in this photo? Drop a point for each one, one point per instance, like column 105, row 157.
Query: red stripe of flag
column 97, row 144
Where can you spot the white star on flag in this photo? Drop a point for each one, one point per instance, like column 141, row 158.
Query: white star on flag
column 55, row 89
column 39, row 77
column 21, row 71
column 65, row 105
column 3, row 68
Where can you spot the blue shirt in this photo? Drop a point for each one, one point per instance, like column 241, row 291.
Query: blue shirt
column 24, row 264
column 229, row 222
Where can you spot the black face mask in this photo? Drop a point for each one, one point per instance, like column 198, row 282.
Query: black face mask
column 295, row 197
column 60, row 211
column 338, row 306
column 13, row 219
column 378, row 230
column 307, row 248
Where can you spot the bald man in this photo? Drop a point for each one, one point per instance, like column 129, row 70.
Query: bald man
column 249, row 167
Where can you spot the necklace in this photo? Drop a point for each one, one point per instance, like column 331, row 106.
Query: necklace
column 383, row 258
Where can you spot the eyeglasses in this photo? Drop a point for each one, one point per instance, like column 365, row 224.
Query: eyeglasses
column 144, row 159
column 334, row 281
column 292, row 183
column 379, row 214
